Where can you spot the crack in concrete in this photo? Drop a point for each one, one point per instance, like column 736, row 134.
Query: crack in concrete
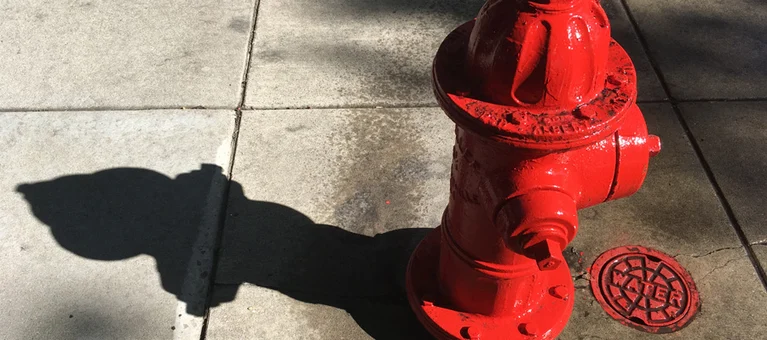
column 717, row 268
column 696, row 256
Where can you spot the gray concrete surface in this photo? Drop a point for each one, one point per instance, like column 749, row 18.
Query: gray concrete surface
column 107, row 218
column 707, row 49
column 732, row 138
column 110, row 217
column 351, row 53
column 324, row 208
column 263, row 313
column 649, row 87
column 760, row 250
column 132, row 54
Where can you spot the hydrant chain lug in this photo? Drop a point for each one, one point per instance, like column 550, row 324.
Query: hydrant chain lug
column 544, row 103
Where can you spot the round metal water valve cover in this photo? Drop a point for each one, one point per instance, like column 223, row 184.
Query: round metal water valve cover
column 644, row 289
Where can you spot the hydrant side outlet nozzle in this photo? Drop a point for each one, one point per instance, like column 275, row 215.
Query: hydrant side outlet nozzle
column 544, row 103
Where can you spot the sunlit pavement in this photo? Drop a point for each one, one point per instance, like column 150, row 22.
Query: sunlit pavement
column 240, row 170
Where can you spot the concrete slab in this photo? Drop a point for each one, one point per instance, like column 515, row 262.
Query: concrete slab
column 129, row 54
column 108, row 221
column 649, row 87
column 732, row 138
column 676, row 212
column 263, row 313
column 352, row 53
column 349, row 52
column 325, row 208
column 707, row 49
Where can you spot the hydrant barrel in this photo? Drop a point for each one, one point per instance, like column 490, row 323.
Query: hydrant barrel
column 544, row 103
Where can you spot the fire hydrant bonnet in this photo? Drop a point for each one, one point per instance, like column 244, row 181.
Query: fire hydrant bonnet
column 534, row 78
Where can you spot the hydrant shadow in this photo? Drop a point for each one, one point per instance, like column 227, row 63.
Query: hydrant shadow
column 120, row 213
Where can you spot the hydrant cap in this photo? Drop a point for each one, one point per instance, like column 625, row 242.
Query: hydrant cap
column 539, row 74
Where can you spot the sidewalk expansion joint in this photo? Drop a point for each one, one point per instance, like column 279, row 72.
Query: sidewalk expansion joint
column 249, row 55
column 225, row 200
column 343, row 107
column 702, row 100
column 721, row 100
column 117, row 109
column 221, row 222
column 434, row 105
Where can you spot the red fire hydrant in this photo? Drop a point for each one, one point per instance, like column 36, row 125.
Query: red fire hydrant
column 544, row 103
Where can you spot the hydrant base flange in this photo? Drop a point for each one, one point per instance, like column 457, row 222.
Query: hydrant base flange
column 446, row 323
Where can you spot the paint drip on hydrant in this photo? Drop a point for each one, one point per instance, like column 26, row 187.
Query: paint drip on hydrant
column 544, row 103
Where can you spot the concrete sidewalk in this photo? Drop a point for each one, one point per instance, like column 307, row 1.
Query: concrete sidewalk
column 240, row 170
